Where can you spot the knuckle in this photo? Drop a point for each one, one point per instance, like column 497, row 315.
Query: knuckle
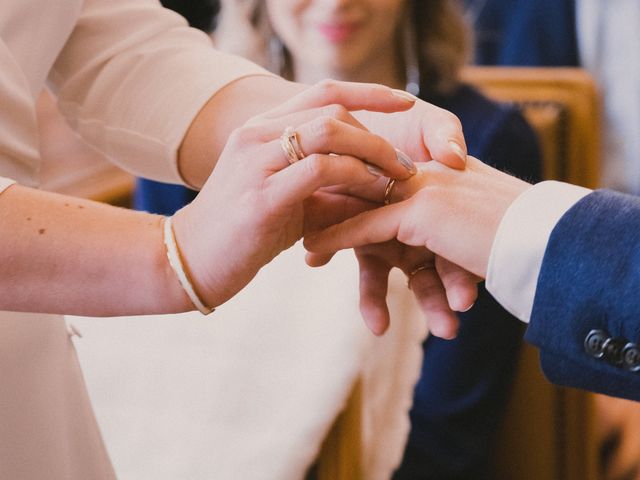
column 453, row 120
column 337, row 111
column 245, row 134
column 406, row 235
column 254, row 120
column 327, row 87
column 236, row 136
column 316, row 165
column 324, row 127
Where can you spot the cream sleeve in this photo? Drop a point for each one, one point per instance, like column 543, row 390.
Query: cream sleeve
column 133, row 76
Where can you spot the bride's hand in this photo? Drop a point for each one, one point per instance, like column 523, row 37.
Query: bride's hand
column 253, row 205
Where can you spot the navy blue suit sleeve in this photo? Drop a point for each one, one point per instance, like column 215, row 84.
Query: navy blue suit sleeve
column 590, row 280
column 525, row 32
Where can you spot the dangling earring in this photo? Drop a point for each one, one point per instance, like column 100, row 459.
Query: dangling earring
column 410, row 52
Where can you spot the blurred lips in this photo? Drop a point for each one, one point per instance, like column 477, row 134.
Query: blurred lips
column 338, row 31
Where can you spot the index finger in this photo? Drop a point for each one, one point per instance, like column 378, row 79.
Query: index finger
column 351, row 95
column 374, row 226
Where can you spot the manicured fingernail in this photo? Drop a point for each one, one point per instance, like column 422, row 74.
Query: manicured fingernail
column 406, row 162
column 468, row 308
column 373, row 170
column 404, row 95
column 457, row 149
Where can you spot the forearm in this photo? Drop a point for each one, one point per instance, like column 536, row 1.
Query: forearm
column 227, row 110
column 65, row 255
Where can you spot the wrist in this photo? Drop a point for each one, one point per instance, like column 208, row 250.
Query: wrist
column 181, row 247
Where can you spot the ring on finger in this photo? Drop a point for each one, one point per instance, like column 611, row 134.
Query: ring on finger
column 414, row 272
column 294, row 138
column 290, row 142
column 388, row 189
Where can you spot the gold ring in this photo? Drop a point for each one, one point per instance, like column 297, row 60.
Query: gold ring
column 387, row 191
column 414, row 272
column 294, row 139
column 291, row 145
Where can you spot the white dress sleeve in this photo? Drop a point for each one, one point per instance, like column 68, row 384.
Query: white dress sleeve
column 521, row 240
column 132, row 77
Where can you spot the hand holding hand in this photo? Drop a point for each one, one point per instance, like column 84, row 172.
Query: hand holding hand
column 454, row 214
column 253, row 205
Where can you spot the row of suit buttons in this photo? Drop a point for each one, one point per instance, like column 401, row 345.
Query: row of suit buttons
column 616, row 351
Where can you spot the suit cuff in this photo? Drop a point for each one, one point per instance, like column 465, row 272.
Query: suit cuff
column 521, row 240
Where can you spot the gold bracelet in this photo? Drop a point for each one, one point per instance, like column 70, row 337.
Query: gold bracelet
column 175, row 260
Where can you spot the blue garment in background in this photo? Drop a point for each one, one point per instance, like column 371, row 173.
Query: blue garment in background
column 162, row 198
column 524, row 32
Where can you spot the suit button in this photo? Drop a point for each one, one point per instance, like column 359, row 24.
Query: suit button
column 594, row 342
column 612, row 349
column 631, row 357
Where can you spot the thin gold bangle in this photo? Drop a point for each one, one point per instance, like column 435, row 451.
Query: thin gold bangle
column 175, row 260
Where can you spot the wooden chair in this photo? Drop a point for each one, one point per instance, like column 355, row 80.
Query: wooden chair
column 548, row 432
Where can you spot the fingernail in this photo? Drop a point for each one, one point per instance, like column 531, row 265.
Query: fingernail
column 406, row 162
column 373, row 170
column 404, row 95
column 457, row 149
column 468, row 308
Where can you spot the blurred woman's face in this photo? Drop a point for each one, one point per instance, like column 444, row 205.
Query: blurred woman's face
column 337, row 35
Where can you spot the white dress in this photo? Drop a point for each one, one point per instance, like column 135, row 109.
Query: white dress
column 130, row 77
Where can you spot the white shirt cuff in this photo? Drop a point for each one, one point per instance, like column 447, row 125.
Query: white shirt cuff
column 521, row 240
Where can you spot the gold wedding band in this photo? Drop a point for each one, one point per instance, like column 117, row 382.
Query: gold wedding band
column 387, row 191
column 414, row 272
column 290, row 143
column 294, row 138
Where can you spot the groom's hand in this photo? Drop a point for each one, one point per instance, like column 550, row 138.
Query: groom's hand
column 424, row 132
